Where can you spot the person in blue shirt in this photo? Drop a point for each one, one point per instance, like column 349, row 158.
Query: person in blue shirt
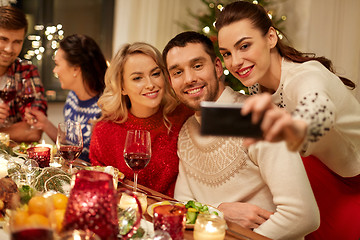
column 80, row 66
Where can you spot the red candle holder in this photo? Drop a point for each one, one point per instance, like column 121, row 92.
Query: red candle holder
column 40, row 154
column 171, row 219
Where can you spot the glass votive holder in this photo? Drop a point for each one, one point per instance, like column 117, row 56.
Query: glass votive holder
column 171, row 219
column 56, row 161
column 40, row 154
column 209, row 227
column 127, row 201
column 5, row 138
column 79, row 235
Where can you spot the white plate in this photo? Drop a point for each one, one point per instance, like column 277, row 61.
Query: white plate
column 16, row 151
column 150, row 210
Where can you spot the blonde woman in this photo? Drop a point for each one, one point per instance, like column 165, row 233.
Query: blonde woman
column 138, row 96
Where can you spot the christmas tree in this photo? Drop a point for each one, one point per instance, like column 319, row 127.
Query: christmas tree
column 206, row 25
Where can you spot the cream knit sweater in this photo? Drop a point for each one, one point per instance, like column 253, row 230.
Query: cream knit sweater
column 213, row 170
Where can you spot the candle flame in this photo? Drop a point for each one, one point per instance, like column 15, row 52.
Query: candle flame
column 43, row 141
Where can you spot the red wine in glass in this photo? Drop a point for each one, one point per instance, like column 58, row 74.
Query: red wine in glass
column 70, row 153
column 33, row 234
column 137, row 151
column 137, row 161
column 27, row 99
column 7, row 95
column 69, row 141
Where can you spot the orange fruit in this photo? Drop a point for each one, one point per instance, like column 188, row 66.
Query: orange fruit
column 20, row 217
column 57, row 216
column 59, row 200
column 38, row 205
column 37, row 220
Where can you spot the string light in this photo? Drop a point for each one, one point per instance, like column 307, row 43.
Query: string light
column 51, row 33
column 206, row 29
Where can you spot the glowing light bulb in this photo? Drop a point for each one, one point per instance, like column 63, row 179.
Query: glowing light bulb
column 206, row 29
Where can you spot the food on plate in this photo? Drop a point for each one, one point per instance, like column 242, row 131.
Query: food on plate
column 22, row 147
column 194, row 209
column 26, row 193
column 8, row 194
column 40, row 212
column 117, row 175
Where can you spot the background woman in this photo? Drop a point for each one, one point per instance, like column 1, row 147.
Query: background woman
column 317, row 116
column 138, row 96
column 80, row 67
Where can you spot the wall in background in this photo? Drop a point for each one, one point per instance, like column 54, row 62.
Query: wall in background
column 326, row 27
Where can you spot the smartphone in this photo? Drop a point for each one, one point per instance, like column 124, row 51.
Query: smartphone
column 225, row 119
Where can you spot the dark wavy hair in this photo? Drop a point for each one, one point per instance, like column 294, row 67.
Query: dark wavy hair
column 240, row 10
column 12, row 18
column 182, row 39
column 83, row 51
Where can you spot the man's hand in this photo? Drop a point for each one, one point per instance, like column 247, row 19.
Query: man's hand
column 245, row 214
column 4, row 112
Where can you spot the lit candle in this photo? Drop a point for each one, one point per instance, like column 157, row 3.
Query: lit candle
column 127, row 201
column 43, row 144
column 209, row 227
column 5, row 138
column 3, row 168
column 40, row 154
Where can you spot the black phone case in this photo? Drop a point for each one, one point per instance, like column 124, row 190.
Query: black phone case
column 226, row 120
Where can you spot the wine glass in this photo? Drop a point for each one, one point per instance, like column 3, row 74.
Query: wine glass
column 7, row 94
column 137, row 151
column 69, row 141
column 28, row 94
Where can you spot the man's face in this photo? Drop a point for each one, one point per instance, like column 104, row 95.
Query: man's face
column 193, row 75
column 11, row 42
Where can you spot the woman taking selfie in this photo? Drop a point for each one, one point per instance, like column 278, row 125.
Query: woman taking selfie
column 304, row 103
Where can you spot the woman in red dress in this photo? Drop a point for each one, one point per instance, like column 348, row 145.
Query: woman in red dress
column 138, row 96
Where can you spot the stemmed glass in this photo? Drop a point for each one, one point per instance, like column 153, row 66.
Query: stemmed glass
column 137, row 151
column 28, row 93
column 7, row 94
column 69, row 141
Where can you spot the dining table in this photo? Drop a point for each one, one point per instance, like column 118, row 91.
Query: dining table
column 234, row 231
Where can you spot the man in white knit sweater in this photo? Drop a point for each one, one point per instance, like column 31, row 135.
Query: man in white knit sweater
column 264, row 187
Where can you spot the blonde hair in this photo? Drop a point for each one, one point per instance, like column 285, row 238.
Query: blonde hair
column 113, row 104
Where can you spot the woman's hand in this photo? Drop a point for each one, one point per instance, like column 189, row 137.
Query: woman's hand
column 36, row 118
column 245, row 214
column 277, row 124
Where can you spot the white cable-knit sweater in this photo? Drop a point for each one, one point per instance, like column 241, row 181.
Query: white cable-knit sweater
column 312, row 93
column 218, row 169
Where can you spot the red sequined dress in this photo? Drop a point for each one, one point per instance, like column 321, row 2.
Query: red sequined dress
column 107, row 146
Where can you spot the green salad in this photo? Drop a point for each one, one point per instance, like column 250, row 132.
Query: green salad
column 194, row 209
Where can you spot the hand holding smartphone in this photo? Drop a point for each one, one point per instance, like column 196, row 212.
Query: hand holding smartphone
column 225, row 119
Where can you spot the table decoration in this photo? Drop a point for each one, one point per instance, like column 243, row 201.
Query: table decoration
column 43, row 144
column 127, row 201
column 92, row 205
column 5, row 138
column 171, row 219
column 209, row 227
column 40, row 154
column 3, row 167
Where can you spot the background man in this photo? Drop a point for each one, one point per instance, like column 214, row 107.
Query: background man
column 13, row 27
